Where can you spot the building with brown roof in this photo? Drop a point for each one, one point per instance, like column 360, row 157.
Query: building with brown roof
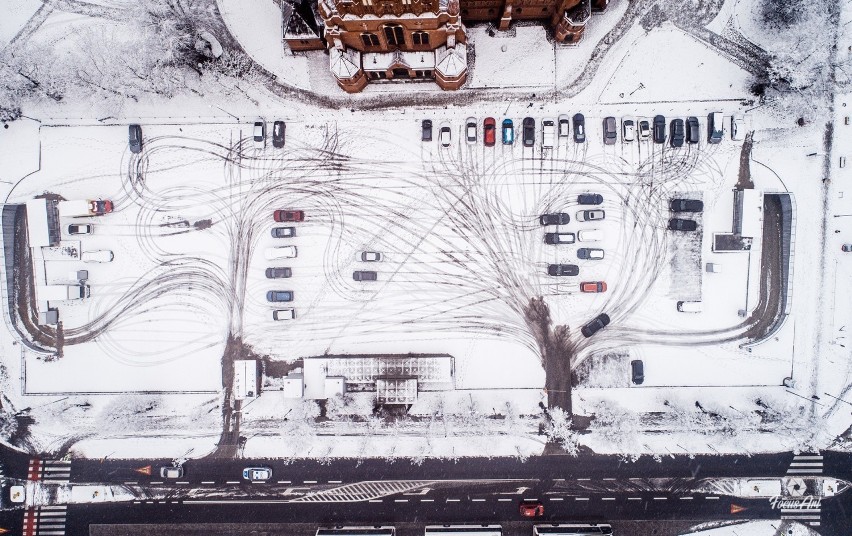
column 377, row 40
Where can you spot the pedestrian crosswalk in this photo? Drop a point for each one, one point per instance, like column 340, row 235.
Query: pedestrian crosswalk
column 52, row 471
column 45, row 521
column 805, row 464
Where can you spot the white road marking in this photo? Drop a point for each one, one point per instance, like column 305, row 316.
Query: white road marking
column 427, row 500
column 504, row 500
column 400, row 500
column 331, row 482
column 607, row 498
column 158, row 482
column 712, row 498
column 660, row 498
column 634, row 498
column 310, row 481
column 453, row 500
column 557, row 498
column 581, row 498
column 131, row 482
column 207, row 482
column 181, row 482
column 375, row 500
column 478, row 500
column 232, row 482
column 686, row 498
column 283, row 481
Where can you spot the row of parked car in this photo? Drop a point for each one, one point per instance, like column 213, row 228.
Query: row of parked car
column 550, row 130
column 259, row 133
column 679, row 131
column 586, row 235
column 684, row 205
column 283, row 252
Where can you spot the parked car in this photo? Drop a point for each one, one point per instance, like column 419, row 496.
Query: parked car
column 470, row 130
column 590, row 215
column 628, row 130
column 610, row 134
column 644, row 129
column 365, row 275
column 508, row 132
column 559, row 238
column 489, row 131
column 738, row 128
column 564, row 126
column 288, row 215
column 257, row 474
column 278, row 130
column 529, row 132
column 692, row 129
column 659, row 129
column 81, row 229
column 846, row 248
column 445, row 135
column 579, row 128
column 548, row 133
column 686, row 205
column 590, row 235
column 593, row 286
column 171, row 472
column 284, row 314
column 369, row 256
column 591, row 254
column 714, row 127
column 283, row 232
column 637, row 370
column 282, row 252
column 278, row 273
column 531, row 508
column 598, row 323
column 426, row 130
column 563, row 270
column 589, row 199
column 279, row 296
column 259, row 133
column 677, row 224
column 677, row 133
column 689, row 306
column 557, row 218
column 101, row 255
column 135, row 138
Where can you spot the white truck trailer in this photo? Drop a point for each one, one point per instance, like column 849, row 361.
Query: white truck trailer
column 62, row 292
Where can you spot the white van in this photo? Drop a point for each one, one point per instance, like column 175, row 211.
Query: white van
column 591, row 235
column 689, row 306
column 282, row 252
column 102, row 255
column 548, row 132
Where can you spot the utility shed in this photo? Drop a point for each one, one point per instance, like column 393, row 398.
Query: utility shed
column 39, row 223
column 245, row 379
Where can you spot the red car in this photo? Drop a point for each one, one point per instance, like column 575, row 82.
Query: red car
column 593, row 286
column 289, row 215
column 531, row 508
column 490, row 126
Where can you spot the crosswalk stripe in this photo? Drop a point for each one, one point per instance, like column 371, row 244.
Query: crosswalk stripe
column 795, row 471
column 807, row 457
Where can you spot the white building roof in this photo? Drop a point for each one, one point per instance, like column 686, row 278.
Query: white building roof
column 37, row 228
column 345, row 64
column 245, row 378
column 453, row 61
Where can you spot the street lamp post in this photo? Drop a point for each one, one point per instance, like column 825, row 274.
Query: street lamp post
column 224, row 110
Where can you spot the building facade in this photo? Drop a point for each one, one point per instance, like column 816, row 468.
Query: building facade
column 377, row 40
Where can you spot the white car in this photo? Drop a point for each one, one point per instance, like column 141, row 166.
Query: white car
column 284, row 314
column 103, row 255
column 445, row 136
column 628, row 130
column 369, row 256
column 564, row 126
column 257, row 474
column 591, row 235
column 282, row 252
column 259, row 133
column 738, row 128
column 470, row 130
column 590, row 215
column 171, row 472
column 548, row 132
column 81, row 229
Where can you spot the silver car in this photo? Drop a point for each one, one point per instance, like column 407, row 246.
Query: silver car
column 257, row 474
column 470, row 130
column 590, row 215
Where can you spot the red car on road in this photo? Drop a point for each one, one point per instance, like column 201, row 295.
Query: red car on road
column 289, row 215
column 490, row 127
column 531, row 508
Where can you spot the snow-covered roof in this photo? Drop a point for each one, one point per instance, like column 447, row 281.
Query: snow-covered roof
column 453, row 61
column 419, row 60
column 377, row 61
column 298, row 23
column 381, row 61
column 345, row 63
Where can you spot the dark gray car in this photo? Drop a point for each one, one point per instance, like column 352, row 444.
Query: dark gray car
column 610, row 131
column 365, row 275
column 426, row 130
column 283, row 232
column 659, row 129
column 637, row 371
column 677, row 133
column 579, row 128
column 135, row 138
column 278, row 273
column 692, row 129
column 563, row 270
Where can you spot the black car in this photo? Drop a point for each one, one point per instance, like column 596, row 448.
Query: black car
column 135, row 138
column 563, row 269
column 638, row 371
column 686, row 205
column 659, row 129
column 601, row 321
column 677, row 133
column 278, row 273
column 426, row 130
column 677, row 224
column 279, row 296
column 589, row 199
column 558, row 218
column 529, row 132
column 579, row 128
column 283, row 232
column 365, row 275
column 278, row 129
column 692, row 129
column 610, row 131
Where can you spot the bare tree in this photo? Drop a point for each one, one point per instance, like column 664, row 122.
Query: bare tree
column 557, row 428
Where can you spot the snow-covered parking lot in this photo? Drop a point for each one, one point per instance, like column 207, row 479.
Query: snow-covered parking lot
column 463, row 252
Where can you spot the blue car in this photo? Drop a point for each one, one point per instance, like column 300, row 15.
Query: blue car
column 508, row 132
column 279, row 296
